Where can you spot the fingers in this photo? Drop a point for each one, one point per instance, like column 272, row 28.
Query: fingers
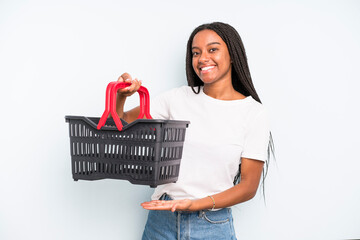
column 173, row 205
column 134, row 87
column 157, row 205
column 125, row 76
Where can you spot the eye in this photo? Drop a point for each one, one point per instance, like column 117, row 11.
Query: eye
column 195, row 54
column 213, row 49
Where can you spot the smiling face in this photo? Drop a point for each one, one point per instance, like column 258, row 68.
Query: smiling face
column 210, row 58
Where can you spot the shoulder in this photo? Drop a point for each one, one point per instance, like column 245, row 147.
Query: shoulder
column 248, row 105
column 186, row 90
column 256, row 111
column 183, row 91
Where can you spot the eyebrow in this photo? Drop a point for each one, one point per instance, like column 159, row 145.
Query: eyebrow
column 208, row 44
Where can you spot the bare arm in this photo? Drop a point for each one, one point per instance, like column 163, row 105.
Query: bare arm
column 244, row 191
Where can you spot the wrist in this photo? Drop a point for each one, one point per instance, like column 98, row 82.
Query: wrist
column 120, row 98
column 195, row 205
column 213, row 201
column 202, row 204
column 120, row 102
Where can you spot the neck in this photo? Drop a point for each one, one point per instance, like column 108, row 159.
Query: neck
column 222, row 91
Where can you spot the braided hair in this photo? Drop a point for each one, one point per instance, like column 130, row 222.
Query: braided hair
column 240, row 74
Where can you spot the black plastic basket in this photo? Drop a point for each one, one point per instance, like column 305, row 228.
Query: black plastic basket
column 146, row 151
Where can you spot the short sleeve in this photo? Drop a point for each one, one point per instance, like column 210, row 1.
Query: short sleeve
column 257, row 136
column 159, row 106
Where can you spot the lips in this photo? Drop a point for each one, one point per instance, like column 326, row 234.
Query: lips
column 206, row 69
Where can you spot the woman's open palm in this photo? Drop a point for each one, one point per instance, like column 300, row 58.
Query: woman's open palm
column 172, row 205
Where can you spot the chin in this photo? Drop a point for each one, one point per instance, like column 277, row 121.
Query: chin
column 208, row 81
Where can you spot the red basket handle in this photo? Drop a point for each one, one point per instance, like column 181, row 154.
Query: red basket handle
column 110, row 104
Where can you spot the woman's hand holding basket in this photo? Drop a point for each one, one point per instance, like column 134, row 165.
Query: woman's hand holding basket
column 123, row 93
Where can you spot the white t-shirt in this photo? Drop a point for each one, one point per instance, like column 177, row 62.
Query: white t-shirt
column 219, row 134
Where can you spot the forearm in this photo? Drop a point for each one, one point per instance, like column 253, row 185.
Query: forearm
column 120, row 102
column 128, row 116
column 235, row 195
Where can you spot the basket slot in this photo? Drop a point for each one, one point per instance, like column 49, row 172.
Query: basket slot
column 81, row 149
column 84, row 167
column 141, row 135
column 95, row 150
column 71, row 129
column 80, row 130
column 122, row 151
column 134, row 171
column 174, row 135
column 101, row 167
column 109, row 151
column 72, row 149
column 170, row 153
column 148, row 135
column 167, row 172
column 165, row 137
column 125, row 152
column 110, row 168
column 181, row 134
column 90, row 168
column 76, row 130
column 104, row 167
column 85, row 149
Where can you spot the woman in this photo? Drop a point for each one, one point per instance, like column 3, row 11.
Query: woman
column 228, row 126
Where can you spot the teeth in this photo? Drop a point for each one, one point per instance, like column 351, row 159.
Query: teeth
column 207, row 68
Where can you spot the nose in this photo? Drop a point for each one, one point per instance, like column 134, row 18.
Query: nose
column 204, row 57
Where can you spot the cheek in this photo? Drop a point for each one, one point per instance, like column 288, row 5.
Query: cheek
column 224, row 59
column 194, row 65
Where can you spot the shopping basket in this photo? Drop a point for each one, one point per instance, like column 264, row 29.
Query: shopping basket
column 146, row 151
